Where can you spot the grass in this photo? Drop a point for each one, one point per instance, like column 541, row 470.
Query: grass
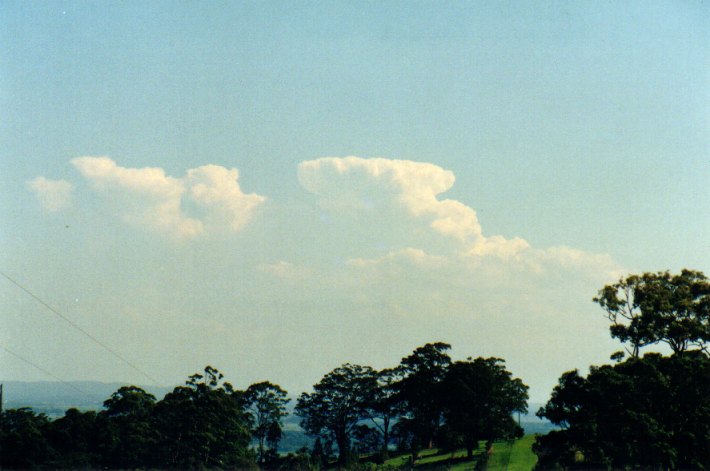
column 435, row 459
column 515, row 455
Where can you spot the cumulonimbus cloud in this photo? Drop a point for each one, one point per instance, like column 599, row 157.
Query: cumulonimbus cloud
column 414, row 187
column 217, row 189
column 408, row 256
column 352, row 183
column 149, row 197
column 53, row 195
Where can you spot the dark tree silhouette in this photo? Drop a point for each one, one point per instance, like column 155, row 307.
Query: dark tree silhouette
column 336, row 406
column 23, row 439
column 652, row 411
column 420, row 393
column 480, row 397
column 266, row 403
column 128, row 433
column 659, row 307
column 382, row 404
column 645, row 412
column 203, row 424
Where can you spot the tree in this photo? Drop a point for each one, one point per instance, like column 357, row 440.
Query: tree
column 382, row 404
column 320, row 454
column 75, row 439
column 419, row 391
column 367, row 439
column 480, row 397
column 128, row 434
column 645, row 412
column 203, row 424
column 659, row 307
column 23, row 439
column 266, row 403
column 336, row 406
column 129, row 401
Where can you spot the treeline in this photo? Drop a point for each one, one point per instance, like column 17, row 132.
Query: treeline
column 427, row 400
column 205, row 423
column 643, row 412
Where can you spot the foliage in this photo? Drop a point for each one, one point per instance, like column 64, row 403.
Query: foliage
column 266, row 404
column 659, row 307
column 126, row 427
column 383, row 405
column 429, row 399
column 200, row 425
column 203, row 424
column 419, row 391
column 23, row 438
column 479, row 399
column 426, row 400
column 74, row 439
column 299, row 461
column 650, row 411
column 336, row 406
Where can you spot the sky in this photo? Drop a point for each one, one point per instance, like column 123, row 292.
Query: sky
column 277, row 188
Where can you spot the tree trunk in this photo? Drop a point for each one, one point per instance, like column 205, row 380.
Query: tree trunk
column 343, row 442
column 385, row 438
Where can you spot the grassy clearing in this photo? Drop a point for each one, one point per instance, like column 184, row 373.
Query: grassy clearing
column 514, row 455
column 437, row 459
column 522, row 457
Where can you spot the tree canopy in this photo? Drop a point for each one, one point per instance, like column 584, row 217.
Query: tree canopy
column 428, row 397
column 420, row 392
column 659, row 307
column 337, row 405
column 649, row 411
column 202, row 424
column 266, row 404
column 479, row 398
column 427, row 400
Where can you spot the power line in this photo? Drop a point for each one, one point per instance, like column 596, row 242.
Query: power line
column 70, row 322
column 16, row 355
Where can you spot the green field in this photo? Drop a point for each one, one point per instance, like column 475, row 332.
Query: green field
column 514, row 455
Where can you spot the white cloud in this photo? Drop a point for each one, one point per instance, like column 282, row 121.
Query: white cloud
column 53, row 195
column 409, row 256
column 506, row 249
column 576, row 260
column 149, row 197
column 352, row 181
column 217, row 189
column 413, row 189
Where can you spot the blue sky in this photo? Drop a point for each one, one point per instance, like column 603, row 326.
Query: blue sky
column 512, row 157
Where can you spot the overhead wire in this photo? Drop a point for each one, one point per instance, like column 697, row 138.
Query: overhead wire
column 80, row 329
column 48, row 373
